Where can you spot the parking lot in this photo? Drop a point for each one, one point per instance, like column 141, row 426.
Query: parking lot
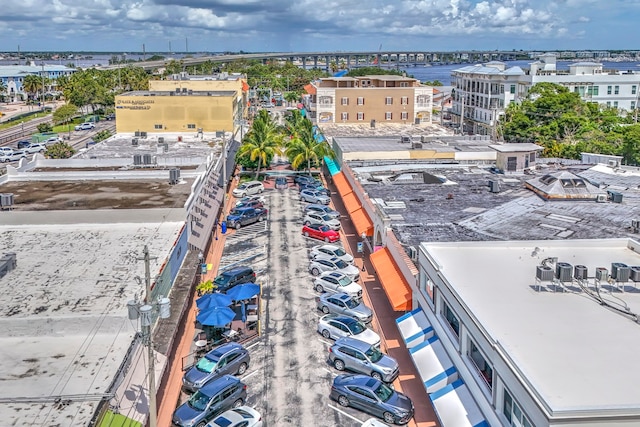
column 289, row 378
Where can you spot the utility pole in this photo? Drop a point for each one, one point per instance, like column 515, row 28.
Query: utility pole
column 42, row 85
column 147, row 335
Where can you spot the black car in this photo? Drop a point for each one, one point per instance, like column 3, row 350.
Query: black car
column 23, row 144
column 111, row 116
column 282, row 182
column 305, row 179
column 372, row 396
column 234, row 276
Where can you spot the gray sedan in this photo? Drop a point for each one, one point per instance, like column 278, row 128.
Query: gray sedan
column 229, row 358
column 320, row 265
column 312, row 196
column 333, row 327
column 345, row 305
column 324, row 219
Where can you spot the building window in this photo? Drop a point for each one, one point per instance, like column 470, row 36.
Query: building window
column 388, row 100
column 423, row 100
column 157, row 126
column 451, row 319
column 592, row 90
column 615, row 104
column 512, row 89
column 634, row 89
column 513, row 413
column 404, row 84
column 360, row 116
column 608, row 90
column 485, row 370
column 325, row 100
column 404, row 100
column 633, row 105
column 360, row 100
column 191, row 126
column 388, row 115
column 608, row 103
column 344, row 101
column 344, row 116
column 404, row 115
column 616, row 90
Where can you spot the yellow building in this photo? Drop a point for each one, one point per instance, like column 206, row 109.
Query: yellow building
column 184, row 104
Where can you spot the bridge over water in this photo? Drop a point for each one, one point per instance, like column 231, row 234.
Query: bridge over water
column 346, row 59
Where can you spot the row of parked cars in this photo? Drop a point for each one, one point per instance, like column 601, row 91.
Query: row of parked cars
column 8, row 154
column 218, row 396
column 346, row 319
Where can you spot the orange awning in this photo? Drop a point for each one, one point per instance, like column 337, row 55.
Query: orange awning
column 245, row 86
column 362, row 222
column 342, row 184
column 351, row 202
column 311, row 89
column 393, row 282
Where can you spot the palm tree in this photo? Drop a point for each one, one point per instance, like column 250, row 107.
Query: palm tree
column 304, row 146
column 262, row 142
column 291, row 97
column 32, row 84
column 3, row 90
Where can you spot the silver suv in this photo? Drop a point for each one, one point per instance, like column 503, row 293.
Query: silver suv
column 358, row 356
column 248, row 188
column 319, row 265
column 229, row 358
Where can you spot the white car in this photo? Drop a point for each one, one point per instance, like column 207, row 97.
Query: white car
column 85, row 126
column 323, row 219
column 242, row 416
column 319, row 265
column 373, row 422
column 330, row 251
column 248, row 188
column 335, row 282
column 5, row 154
column 52, row 140
column 332, row 326
column 17, row 155
column 35, row 148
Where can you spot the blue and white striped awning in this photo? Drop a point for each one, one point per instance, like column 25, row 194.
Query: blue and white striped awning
column 414, row 327
column 433, row 364
column 455, row 406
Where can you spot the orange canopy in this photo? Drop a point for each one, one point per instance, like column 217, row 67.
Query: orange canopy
column 245, row 86
column 351, row 202
column 342, row 184
column 362, row 222
column 393, row 282
column 311, row 89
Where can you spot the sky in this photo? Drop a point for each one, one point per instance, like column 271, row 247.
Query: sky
column 316, row 25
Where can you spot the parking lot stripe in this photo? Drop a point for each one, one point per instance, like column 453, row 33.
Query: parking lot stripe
column 331, row 372
column 254, row 344
column 327, row 343
column 250, row 375
column 344, row 413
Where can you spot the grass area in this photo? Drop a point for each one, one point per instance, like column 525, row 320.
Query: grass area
column 65, row 128
column 118, row 420
column 15, row 121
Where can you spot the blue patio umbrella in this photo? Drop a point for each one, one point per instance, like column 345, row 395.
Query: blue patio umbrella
column 213, row 300
column 243, row 291
column 216, row 316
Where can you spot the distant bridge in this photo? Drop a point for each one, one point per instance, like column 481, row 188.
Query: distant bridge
column 344, row 59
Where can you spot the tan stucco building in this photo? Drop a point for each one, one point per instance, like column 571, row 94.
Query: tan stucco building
column 383, row 99
column 184, row 104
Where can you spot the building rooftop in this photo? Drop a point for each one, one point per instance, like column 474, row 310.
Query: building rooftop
column 221, row 93
column 22, row 70
column 575, row 353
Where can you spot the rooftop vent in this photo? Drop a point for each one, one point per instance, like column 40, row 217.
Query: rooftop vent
column 544, row 273
column 494, row 185
column 635, row 273
column 134, row 141
column 137, row 159
column 580, row 272
column 602, row 274
column 174, row 176
column 6, row 200
column 563, row 272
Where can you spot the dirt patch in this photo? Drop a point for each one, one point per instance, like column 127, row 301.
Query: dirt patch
column 65, row 195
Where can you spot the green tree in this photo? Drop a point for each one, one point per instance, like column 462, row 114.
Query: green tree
column 631, row 145
column 305, row 148
column 291, row 97
column 65, row 113
column 32, row 85
column 45, row 127
column 433, row 83
column 262, row 141
column 59, row 150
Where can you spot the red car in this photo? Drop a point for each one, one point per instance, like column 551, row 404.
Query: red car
column 320, row 231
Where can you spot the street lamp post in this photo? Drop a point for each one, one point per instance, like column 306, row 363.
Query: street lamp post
column 363, row 236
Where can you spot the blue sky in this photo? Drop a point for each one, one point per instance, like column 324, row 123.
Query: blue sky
column 314, row 25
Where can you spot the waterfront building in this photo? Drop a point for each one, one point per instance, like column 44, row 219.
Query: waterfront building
column 482, row 92
column 370, row 99
column 12, row 77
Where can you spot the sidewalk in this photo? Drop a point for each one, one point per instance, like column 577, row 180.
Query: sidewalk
column 384, row 322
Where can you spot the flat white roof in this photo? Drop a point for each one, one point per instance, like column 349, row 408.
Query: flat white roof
column 577, row 354
column 63, row 317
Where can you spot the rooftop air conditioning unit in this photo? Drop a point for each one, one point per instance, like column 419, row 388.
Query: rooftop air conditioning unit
column 494, row 185
column 137, row 159
column 615, row 269
column 635, row 273
column 623, row 274
column 6, row 200
column 146, row 159
column 415, row 145
column 563, row 272
column 174, row 176
column 613, row 163
column 544, row 273
column 635, row 224
column 602, row 198
column 602, row 274
column 160, row 139
column 136, row 133
column 134, row 141
column 580, row 272
column 413, row 253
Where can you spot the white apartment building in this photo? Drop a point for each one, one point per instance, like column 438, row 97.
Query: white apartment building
column 482, row 92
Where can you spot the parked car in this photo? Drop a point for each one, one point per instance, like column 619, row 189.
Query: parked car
column 335, row 282
column 330, row 251
column 344, row 305
column 246, row 199
column 363, row 358
column 248, row 188
column 17, row 155
column 85, row 126
column 300, row 179
column 111, row 116
column 322, row 232
column 214, row 398
column 52, row 140
column 35, row 148
column 255, row 203
column 318, row 218
column 242, row 416
column 320, row 265
column 23, row 144
column 324, row 209
column 239, row 217
column 282, row 182
column 234, row 276
column 318, row 188
column 332, row 326
column 231, row 359
column 312, row 196
column 5, row 155
column 372, row 396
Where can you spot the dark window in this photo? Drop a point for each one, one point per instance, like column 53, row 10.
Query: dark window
column 452, row 320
